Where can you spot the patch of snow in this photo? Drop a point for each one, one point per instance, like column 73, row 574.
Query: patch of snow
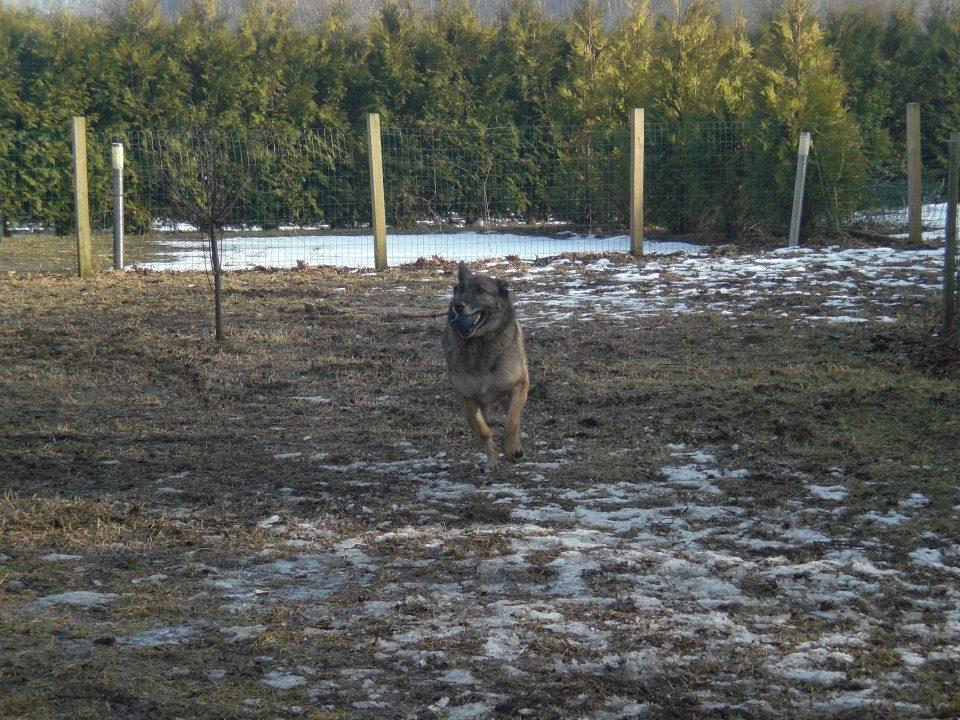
column 828, row 492
column 239, row 633
column 268, row 521
column 315, row 399
column 916, row 500
column 156, row 577
column 458, row 677
column 159, row 636
column 889, row 519
column 470, row 711
column 282, row 681
column 84, row 599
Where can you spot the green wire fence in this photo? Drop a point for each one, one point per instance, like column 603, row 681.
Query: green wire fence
column 461, row 192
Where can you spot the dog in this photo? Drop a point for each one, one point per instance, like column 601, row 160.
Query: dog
column 486, row 360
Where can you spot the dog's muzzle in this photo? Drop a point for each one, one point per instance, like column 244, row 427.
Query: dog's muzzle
column 465, row 324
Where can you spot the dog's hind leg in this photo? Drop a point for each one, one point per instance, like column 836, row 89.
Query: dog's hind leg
column 512, row 447
column 475, row 416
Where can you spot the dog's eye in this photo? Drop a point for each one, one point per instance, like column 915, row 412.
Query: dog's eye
column 481, row 291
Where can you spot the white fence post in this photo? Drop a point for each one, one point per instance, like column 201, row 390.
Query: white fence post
column 803, row 153
column 116, row 156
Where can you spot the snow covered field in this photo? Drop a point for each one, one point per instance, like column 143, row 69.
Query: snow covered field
column 240, row 253
column 243, row 253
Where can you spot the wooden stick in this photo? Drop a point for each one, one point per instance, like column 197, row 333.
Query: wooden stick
column 401, row 312
column 377, row 200
column 78, row 133
column 636, row 182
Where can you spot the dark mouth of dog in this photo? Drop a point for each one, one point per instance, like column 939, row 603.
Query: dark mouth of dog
column 467, row 331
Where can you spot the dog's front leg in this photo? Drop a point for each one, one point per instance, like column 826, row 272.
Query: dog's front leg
column 512, row 447
column 474, row 414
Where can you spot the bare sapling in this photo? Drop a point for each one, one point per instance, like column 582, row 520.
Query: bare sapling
column 205, row 172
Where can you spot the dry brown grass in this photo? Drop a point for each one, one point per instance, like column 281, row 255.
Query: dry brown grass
column 123, row 423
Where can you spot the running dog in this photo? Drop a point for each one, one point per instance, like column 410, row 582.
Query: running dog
column 483, row 346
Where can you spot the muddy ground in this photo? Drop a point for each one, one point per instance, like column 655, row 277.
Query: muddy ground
column 739, row 500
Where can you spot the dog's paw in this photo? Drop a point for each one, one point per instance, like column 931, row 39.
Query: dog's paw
column 515, row 455
column 493, row 466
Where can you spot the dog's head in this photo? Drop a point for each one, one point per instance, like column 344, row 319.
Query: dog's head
column 480, row 304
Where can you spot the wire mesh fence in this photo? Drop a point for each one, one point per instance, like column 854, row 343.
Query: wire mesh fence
column 475, row 192
column 718, row 181
column 883, row 208
column 464, row 192
column 302, row 197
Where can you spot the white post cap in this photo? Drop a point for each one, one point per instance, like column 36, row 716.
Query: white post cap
column 116, row 154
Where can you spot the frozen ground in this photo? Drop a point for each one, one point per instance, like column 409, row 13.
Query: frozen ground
column 715, row 516
column 633, row 580
column 827, row 285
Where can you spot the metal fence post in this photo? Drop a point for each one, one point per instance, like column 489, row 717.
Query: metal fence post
column 636, row 182
column 950, row 244
column 81, row 208
column 376, row 192
column 914, row 203
column 116, row 156
column 803, row 153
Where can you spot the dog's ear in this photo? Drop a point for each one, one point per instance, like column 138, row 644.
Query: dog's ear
column 503, row 288
column 463, row 272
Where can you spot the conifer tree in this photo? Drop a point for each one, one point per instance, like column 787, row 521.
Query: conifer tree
column 632, row 49
column 799, row 87
column 940, row 91
column 702, row 65
column 529, row 51
column 587, row 95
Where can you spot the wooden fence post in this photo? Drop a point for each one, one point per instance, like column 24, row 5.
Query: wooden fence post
column 81, row 212
column 914, row 202
column 377, row 201
column 116, row 158
column 803, row 153
column 950, row 244
column 636, row 182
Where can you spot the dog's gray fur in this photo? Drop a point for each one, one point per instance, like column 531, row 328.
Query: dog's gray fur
column 487, row 364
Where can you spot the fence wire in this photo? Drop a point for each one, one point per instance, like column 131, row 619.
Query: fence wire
column 883, row 208
column 478, row 192
column 459, row 192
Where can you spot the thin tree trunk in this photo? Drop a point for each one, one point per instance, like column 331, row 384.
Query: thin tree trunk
column 217, row 304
